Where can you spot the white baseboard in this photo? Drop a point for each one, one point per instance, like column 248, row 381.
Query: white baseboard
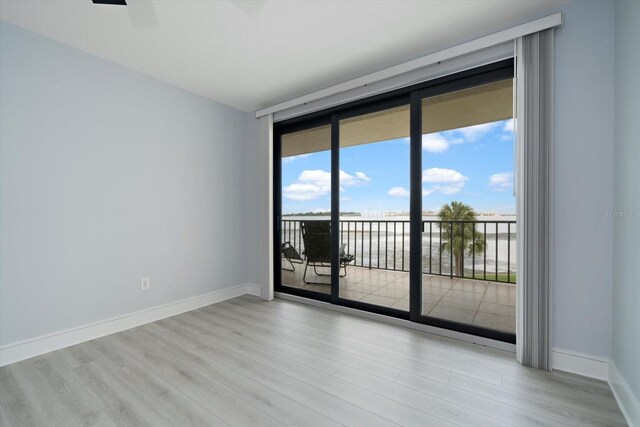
column 253, row 289
column 581, row 364
column 562, row 360
column 601, row 369
column 36, row 346
column 627, row 401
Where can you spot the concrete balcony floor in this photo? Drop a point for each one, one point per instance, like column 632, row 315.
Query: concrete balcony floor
column 475, row 302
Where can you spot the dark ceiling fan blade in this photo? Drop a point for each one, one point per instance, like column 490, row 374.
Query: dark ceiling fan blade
column 118, row 2
column 141, row 12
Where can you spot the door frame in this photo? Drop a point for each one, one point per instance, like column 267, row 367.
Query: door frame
column 413, row 96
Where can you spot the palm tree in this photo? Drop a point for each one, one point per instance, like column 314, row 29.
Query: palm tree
column 458, row 237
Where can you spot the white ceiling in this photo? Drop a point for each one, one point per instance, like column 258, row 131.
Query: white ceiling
column 253, row 54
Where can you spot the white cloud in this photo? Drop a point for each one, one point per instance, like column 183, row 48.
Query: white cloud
column 445, row 181
column 290, row 159
column 501, row 181
column 440, row 142
column 362, row 176
column 473, row 133
column 314, row 183
column 355, row 180
column 303, row 191
column 315, row 175
column 310, row 185
column 509, row 126
column 440, row 175
column 508, row 129
column 398, row 192
column 435, row 143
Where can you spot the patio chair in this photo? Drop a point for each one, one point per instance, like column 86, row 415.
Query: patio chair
column 316, row 236
column 290, row 253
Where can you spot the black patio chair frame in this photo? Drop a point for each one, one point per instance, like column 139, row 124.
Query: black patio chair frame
column 316, row 236
column 290, row 253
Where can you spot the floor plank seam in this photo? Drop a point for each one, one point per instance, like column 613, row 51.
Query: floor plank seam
column 368, row 345
column 297, row 379
column 435, row 397
column 267, row 415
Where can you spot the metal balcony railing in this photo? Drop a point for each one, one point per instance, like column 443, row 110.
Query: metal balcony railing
column 483, row 250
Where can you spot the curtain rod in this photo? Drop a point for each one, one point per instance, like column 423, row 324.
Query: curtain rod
column 512, row 33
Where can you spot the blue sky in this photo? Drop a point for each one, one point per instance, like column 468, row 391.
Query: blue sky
column 473, row 165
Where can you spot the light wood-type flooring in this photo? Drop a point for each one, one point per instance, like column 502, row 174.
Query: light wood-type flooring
column 247, row 362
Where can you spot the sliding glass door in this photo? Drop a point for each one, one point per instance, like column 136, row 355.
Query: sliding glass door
column 468, row 207
column 304, row 169
column 374, row 204
column 398, row 204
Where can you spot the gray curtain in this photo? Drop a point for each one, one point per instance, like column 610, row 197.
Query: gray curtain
column 535, row 117
column 266, row 205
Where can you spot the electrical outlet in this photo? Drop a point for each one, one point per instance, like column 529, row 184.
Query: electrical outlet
column 145, row 283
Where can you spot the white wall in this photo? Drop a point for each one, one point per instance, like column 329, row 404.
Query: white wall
column 106, row 176
column 626, row 220
column 583, row 179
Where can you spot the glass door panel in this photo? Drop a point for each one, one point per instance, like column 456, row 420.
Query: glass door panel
column 306, row 209
column 468, row 237
column 423, row 174
column 374, row 207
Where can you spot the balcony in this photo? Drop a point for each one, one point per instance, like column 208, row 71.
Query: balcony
column 477, row 287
